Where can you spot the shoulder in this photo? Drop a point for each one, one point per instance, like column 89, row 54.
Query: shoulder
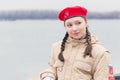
column 56, row 46
column 96, row 45
column 99, row 50
column 55, row 50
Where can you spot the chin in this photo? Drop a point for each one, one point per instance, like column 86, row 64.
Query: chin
column 76, row 37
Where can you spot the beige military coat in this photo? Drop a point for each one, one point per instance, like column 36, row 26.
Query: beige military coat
column 76, row 67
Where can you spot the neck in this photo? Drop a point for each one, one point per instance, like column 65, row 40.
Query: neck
column 84, row 37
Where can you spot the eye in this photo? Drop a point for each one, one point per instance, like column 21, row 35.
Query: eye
column 78, row 23
column 69, row 25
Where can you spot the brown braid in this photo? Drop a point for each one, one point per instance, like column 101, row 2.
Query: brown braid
column 89, row 45
column 60, row 56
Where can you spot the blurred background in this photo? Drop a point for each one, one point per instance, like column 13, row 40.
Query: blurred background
column 28, row 28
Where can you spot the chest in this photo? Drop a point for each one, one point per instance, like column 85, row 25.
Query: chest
column 74, row 57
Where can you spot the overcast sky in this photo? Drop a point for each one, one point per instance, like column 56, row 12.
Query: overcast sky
column 92, row 5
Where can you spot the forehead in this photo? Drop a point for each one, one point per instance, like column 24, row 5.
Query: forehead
column 73, row 19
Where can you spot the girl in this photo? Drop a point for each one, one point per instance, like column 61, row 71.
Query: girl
column 79, row 56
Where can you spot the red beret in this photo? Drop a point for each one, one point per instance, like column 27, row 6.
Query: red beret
column 71, row 12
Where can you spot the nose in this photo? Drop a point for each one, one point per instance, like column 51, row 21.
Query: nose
column 74, row 28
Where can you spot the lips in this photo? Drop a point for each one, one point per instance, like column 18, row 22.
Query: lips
column 76, row 34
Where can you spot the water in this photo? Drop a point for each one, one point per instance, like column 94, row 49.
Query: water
column 25, row 45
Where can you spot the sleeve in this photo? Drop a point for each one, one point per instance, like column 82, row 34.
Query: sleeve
column 51, row 71
column 101, row 71
column 48, row 78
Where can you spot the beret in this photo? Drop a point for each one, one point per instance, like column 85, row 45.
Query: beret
column 72, row 11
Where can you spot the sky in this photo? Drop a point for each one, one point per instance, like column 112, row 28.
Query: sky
column 91, row 5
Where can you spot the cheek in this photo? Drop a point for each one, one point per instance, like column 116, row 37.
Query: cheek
column 83, row 30
column 68, row 30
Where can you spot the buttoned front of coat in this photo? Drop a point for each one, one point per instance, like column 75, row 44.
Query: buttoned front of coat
column 77, row 67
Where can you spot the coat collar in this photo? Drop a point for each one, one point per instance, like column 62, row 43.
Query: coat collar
column 76, row 42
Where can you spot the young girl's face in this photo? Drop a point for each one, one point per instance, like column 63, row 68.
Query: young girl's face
column 76, row 27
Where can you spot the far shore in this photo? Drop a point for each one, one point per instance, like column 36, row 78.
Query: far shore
column 51, row 14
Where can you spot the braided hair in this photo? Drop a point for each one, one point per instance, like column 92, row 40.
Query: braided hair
column 89, row 45
column 60, row 56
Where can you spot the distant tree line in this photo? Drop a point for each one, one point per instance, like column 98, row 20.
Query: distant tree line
column 104, row 15
column 49, row 14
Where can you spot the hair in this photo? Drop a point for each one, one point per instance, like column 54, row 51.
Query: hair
column 88, row 48
column 60, row 57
